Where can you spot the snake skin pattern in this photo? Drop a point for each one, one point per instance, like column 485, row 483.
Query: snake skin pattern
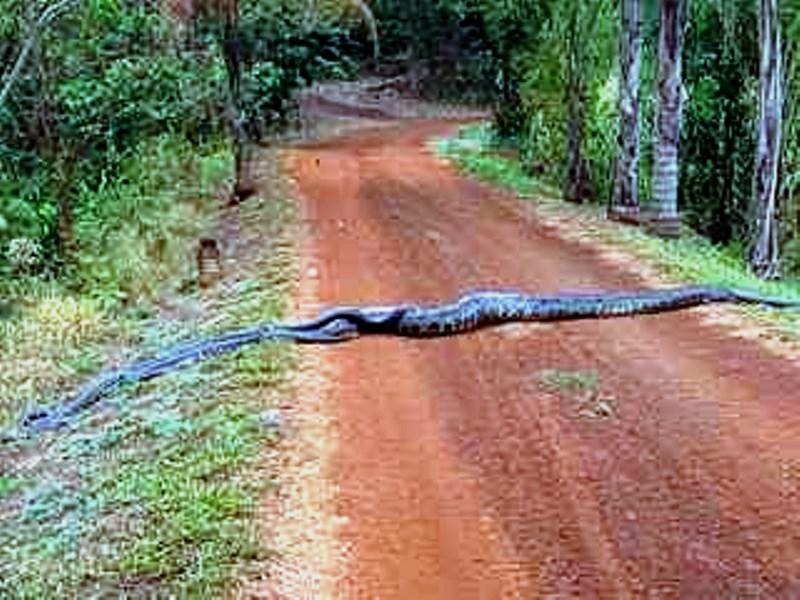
column 469, row 313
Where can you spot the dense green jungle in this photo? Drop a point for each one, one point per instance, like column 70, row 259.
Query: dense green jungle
column 90, row 88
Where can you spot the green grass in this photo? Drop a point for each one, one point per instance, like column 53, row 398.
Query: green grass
column 690, row 258
column 195, row 520
column 476, row 152
column 570, row 382
column 9, row 485
column 154, row 493
column 136, row 238
column 132, row 233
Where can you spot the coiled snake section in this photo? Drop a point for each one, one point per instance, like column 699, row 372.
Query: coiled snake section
column 468, row 313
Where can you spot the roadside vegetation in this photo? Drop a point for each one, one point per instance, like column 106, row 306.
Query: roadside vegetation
column 691, row 258
column 154, row 494
column 666, row 113
column 121, row 146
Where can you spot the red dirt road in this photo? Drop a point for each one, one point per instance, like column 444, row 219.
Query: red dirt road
column 460, row 476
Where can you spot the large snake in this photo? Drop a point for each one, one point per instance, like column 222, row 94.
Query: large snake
column 468, row 313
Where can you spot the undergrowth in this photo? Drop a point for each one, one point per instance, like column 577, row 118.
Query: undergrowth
column 688, row 259
column 130, row 250
column 132, row 232
column 153, row 492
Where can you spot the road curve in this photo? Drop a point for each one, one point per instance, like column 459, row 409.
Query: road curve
column 460, row 475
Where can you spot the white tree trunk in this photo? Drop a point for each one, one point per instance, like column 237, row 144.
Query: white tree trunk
column 625, row 199
column 670, row 107
column 765, row 256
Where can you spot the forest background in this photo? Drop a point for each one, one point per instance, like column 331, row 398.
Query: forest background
column 104, row 84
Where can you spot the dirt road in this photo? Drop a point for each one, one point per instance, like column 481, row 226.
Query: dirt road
column 465, row 469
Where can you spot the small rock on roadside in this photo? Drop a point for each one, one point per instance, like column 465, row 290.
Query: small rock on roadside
column 272, row 419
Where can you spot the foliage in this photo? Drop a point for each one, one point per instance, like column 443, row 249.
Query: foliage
column 23, row 254
column 154, row 494
column 111, row 74
column 136, row 234
column 529, row 43
column 717, row 141
column 137, row 231
column 691, row 258
column 791, row 157
column 559, row 40
column 108, row 76
column 516, row 31
column 475, row 149
column 444, row 43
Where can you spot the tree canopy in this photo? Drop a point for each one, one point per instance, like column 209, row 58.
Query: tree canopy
column 85, row 82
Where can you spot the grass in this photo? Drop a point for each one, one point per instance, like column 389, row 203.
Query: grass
column 475, row 152
column 137, row 238
column 154, row 493
column 9, row 485
column 569, row 382
column 581, row 388
column 132, row 233
column 690, row 258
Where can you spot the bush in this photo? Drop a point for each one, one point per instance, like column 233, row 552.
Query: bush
column 111, row 76
column 24, row 255
column 130, row 233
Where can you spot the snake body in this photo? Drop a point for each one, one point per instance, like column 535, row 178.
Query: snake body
column 468, row 313
column 483, row 309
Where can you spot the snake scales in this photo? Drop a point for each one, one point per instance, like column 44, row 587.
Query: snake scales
column 468, row 313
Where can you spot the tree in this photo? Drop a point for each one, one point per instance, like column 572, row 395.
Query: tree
column 580, row 22
column 513, row 28
column 625, row 197
column 88, row 86
column 765, row 255
column 577, row 184
column 227, row 13
column 790, row 157
column 47, row 16
column 668, row 120
column 719, row 122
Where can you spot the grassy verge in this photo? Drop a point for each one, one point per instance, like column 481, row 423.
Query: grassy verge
column 136, row 240
column 690, row 258
column 154, row 493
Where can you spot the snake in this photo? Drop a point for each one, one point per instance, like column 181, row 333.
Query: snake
column 469, row 312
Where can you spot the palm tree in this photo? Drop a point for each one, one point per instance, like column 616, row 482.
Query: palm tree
column 668, row 124
column 765, row 252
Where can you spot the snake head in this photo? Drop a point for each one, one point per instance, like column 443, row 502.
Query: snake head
column 338, row 330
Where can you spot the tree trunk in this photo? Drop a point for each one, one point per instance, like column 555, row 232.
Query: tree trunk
column 242, row 149
column 61, row 156
column 36, row 28
column 67, row 244
column 578, row 183
column 764, row 258
column 665, row 169
column 625, row 196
